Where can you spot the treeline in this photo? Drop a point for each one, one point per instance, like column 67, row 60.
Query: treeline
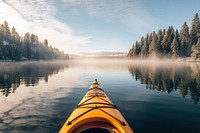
column 171, row 43
column 28, row 47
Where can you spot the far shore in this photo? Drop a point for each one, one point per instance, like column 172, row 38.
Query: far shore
column 188, row 59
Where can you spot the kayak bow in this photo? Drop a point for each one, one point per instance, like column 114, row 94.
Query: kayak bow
column 96, row 113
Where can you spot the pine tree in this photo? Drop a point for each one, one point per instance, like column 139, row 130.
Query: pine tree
column 194, row 29
column 142, row 42
column 15, row 38
column 45, row 42
column 131, row 51
column 163, row 33
column 1, row 33
column 175, row 46
column 196, row 50
column 167, row 40
column 160, row 38
column 136, row 49
column 34, row 39
column 154, row 40
column 150, row 38
column 185, row 41
column 27, row 45
column 156, row 46
column 6, row 31
column 164, row 42
column 145, row 47
column 171, row 35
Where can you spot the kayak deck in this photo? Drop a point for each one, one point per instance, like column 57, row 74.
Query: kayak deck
column 96, row 112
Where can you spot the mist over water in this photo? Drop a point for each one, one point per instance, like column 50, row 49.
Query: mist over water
column 39, row 96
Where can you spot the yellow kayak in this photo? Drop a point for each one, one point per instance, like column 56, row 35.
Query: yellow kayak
column 96, row 114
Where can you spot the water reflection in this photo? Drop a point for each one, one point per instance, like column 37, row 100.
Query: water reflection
column 170, row 77
column 12, row 75
column 45, row 93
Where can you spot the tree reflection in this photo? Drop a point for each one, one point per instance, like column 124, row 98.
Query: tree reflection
column 184, row 78
column 12, row 75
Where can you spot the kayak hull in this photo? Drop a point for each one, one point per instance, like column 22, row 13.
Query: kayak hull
column 96, row 111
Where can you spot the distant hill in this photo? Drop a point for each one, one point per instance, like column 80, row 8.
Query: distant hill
column 170, row 43
column 28, row 47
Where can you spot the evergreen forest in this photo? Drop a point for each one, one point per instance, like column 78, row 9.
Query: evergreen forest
column 28, row 47
column 170, row 43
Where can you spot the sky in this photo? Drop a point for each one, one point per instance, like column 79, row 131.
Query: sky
column 94, row 26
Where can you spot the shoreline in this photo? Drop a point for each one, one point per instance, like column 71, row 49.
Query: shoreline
column 111, row 58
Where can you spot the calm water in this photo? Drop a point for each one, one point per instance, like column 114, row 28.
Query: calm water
column 154, row 97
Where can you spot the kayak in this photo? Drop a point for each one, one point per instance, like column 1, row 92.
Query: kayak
column 96, row 114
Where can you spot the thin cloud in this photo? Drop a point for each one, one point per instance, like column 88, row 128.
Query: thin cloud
column 36, row 11
column 37, row 16
column 130, row 13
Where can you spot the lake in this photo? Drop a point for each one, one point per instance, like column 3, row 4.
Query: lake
column 154, row 97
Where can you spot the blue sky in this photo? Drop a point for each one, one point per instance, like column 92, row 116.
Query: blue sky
column 95, row 25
